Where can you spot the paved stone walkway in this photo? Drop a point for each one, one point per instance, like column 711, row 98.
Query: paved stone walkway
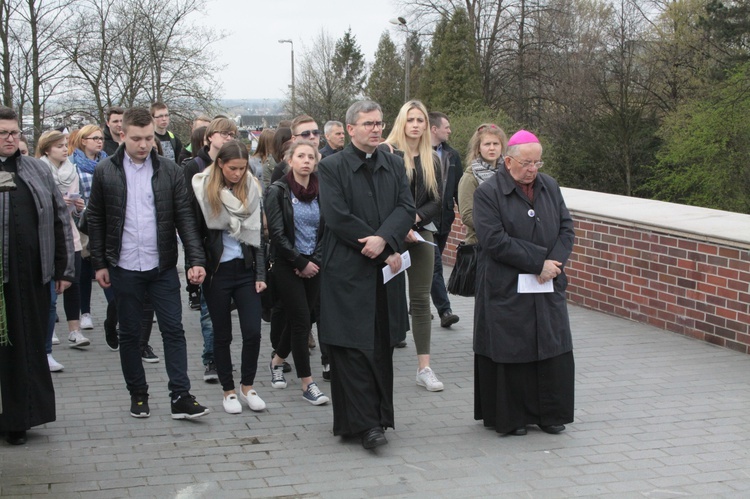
column 657, row 415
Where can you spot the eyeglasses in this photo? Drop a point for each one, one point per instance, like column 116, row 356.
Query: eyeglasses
column 307, row 133
column 13, row 133
column 98, row 139
column 528, row 163
column 160, row 116
column 227, row 135
column 371, row 125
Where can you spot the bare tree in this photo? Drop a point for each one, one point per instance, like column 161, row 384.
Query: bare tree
column 321, row 91
column 40, row 27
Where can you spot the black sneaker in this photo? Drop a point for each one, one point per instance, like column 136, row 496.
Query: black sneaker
column 185, row 407
column 111, row 336
column 327, row 372
column 448, row 318
column 194, row 298
column 210, row 375
column 148, row 355
column 139, row 405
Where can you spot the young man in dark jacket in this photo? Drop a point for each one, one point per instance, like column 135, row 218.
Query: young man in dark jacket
column 450, row 162
column 137, row 200
column 112, row 130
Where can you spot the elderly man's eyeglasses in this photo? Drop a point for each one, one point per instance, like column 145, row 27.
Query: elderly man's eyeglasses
column 528, row 164
column 6, row 133
column 308, row 133
column 227, row 135
column 371, row 125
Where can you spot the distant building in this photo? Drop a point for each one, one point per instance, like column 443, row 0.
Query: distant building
column 261, row 121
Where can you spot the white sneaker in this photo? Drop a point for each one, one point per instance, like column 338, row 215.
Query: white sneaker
column 86, row 322
column 77, row 340
column 54, row 366
column 427, row 379
column 232, row 405
column 55, row 339
column 253, row 401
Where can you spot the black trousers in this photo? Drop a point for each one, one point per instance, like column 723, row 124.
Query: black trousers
column 233, row 281
column 299, row 298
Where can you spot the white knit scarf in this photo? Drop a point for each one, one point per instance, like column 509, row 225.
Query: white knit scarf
column 243, row 223
column 64, row 176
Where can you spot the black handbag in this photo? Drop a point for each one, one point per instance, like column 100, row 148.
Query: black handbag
column 463, row 278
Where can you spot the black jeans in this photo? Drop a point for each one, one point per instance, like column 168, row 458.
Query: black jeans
column 233, row 280
column 300, row 298
column 163, row 288
column 437, row 291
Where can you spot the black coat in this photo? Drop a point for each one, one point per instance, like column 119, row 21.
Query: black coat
column 510, row 327
column 280, row 216
column 106, row 213
column 351, row 211
column 110, row 146
column 451, row 171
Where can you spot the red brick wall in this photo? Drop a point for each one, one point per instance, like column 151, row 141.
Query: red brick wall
column 696, row 288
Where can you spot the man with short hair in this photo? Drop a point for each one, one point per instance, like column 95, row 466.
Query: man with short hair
column 170, row 144
column 450, row 163
column 368, row 210
column 303, row 127
column 36, row 247
column 334, row 132
column 112, row 131
column 137, row 200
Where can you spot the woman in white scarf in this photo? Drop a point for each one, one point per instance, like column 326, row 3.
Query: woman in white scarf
column 52, row 149
column 229, row 201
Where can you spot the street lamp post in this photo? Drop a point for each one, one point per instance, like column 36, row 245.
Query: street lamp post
column 294, row 100
column 400, row 21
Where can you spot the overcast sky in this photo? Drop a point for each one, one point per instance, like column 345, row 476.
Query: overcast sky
column 257, row 66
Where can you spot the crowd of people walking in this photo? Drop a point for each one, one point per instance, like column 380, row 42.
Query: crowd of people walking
column 347, row 237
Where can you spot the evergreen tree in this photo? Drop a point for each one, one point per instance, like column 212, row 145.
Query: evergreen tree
column 386, row 83
column 451, row 78
column 349, row 63
column 416, row 64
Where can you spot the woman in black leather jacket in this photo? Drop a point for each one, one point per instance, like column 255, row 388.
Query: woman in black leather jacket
column 229, row 199
column 294, row 228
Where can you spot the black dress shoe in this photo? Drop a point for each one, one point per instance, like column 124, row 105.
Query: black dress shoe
column 448, row 318
column 518, row 432
column 17, row 437
column 553, row 429
column 401, row 344
column 374, row 437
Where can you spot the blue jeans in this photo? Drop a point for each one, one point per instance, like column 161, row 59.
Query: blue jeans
column 207, row 330
column 163, row 289
column 437, row 291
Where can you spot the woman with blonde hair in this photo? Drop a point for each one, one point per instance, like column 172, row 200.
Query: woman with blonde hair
column 229, row 200
column 52, row 150
column 87, row 152
column 485, row 152
column 410, row 139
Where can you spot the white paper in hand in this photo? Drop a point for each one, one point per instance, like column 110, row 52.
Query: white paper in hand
column 422, row 239
column 405, row 264
column 527, row 283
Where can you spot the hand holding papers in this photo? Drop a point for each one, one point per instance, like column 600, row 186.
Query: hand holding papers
column 528, row 283
column 388, row 274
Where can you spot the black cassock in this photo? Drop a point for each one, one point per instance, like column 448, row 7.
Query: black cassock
column 27, row 393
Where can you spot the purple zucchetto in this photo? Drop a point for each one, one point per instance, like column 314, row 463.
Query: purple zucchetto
column 523, row 137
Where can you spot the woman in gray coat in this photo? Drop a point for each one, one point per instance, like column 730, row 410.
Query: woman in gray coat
column 524, row 369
